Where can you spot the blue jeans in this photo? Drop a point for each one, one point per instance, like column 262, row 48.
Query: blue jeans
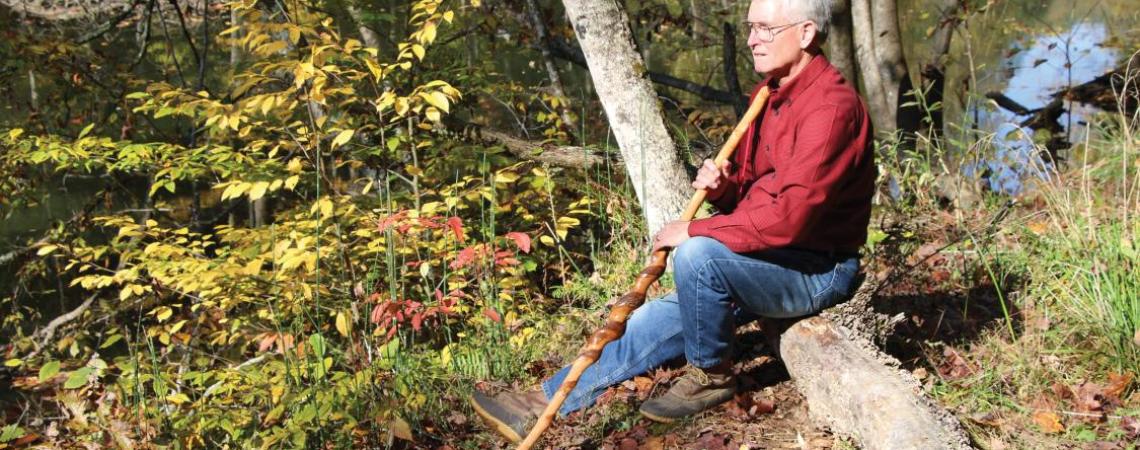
column 717, row 290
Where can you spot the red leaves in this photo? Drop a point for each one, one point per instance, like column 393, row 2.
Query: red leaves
column 521, row 239
column 284, row 342
column 456, row 225
column 493, row 315
column 395, row 313
column 464, row 258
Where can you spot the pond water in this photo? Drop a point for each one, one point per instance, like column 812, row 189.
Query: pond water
column 1027, row 50
column 1041, row 66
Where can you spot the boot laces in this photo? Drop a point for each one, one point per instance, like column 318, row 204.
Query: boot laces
column 697, row 375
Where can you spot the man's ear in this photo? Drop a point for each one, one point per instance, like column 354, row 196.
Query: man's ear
column 807, row 36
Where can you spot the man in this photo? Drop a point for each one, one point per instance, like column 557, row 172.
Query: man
column 794, row 208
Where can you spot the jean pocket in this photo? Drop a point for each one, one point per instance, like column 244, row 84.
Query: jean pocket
column 837, row 287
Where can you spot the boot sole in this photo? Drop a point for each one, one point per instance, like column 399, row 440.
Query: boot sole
column 499, row 426
column 656, row 418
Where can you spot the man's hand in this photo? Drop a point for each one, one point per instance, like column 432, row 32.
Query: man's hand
column 671, row 235
column 711, row 177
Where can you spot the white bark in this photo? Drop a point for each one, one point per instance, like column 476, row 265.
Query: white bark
column 888, row 50
column 631, row 105
column 548, row 63
column 863, row 32
column 371, row 39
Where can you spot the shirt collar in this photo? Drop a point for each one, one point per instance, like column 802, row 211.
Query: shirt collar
column 799, row 84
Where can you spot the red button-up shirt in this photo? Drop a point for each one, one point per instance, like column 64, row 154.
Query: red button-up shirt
column 803, row 174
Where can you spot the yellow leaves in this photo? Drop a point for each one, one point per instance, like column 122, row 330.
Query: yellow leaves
column 46, row 250
column 325, row 206
column 15, row 133
column 291, row 182
column 258, row 190
column 505, row 176
column 132, row 290
column 343, row 325
column 437, row 99
column 162, row 313
column 427, row 35
column 177, row 398
column 342, row 138
column 253, row 268
column 294, row 34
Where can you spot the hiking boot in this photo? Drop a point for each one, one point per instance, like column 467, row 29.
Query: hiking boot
column 695, row 391
column 511, row 414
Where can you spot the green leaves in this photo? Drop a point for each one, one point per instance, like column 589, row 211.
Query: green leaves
column 78, row 378
column 48, row 371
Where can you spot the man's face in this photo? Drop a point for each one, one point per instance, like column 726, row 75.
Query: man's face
column 777, row 57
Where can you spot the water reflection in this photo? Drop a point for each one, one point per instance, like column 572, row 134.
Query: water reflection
column 1040, row 66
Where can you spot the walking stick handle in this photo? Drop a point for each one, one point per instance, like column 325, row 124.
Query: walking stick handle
column 615, row 322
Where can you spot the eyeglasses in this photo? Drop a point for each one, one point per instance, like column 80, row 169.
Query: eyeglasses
column 765, row 32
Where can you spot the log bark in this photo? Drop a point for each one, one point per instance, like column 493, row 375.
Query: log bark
column 858, row 391
column 636, row 120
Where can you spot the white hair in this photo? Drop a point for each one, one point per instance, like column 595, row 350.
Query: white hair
column 817, row 11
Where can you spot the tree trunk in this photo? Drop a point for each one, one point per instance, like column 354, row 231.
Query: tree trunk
column 731, row 81
column 840, row 47
column 631, row 105
column 551, row 70
column 33, row 93
column 863, row 35
column 878, row 48
column 370, row 38
column 235, row 38
column 934, row 70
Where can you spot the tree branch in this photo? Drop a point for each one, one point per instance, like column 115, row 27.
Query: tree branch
column 560, row 49
column 562, row 156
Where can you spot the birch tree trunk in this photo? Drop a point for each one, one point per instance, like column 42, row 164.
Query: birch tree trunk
column 551, row 70
column 631, row 105
column 370, row 38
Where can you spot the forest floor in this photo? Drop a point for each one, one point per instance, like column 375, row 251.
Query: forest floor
column 956, row 323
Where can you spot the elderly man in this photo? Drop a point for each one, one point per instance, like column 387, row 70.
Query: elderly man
column 793, row 212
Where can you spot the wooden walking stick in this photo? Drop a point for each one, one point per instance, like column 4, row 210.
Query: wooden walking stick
column 615, row 322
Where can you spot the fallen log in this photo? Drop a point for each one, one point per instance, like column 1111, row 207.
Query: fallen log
column 855, row 389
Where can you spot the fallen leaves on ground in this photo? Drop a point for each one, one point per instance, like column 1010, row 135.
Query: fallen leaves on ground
column 954, row 366
column 1048, row 421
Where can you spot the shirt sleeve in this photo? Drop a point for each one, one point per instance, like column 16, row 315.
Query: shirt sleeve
column 813, row 175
